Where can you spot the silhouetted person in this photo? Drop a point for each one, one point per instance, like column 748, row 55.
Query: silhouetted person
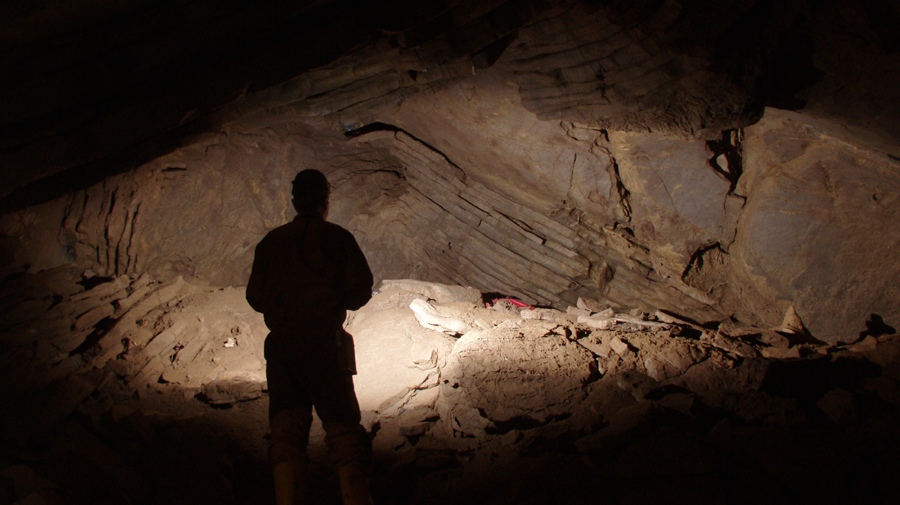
column 306, row 275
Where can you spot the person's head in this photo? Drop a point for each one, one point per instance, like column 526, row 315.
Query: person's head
column 310, row 191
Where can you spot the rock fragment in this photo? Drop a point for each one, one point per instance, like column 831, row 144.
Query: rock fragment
column 778, row 346
column 733, row 346
column 791, row 322
column 655, row 369
column 435, row 318
column 636, row 383
column 867, row 344
column 619, row 346
column 551, row 315
column 126, row 303
column 781, row 352
column 232, row 388
column 597, row 343
column 575, row 311
column 590, row 305
column 597, row 322
column 90, row 318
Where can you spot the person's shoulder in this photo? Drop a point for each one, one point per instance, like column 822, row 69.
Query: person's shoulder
column 336, row 230
column 334, row 227
column 279, row 233
column 286, row 228
column 339, row 237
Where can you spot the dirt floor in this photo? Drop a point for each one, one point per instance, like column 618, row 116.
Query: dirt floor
column 131, row 391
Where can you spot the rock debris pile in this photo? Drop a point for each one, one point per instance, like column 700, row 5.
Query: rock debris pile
column 102, row 378
column 505, row 404
column 127, row 390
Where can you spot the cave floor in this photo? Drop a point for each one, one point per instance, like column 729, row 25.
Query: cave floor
column 510, row 410
column 178, row 450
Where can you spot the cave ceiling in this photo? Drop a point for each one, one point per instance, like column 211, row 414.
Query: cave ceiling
column 97, row 87
column 711, row 158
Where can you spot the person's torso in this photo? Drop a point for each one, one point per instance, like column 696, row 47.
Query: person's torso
column 304, row 260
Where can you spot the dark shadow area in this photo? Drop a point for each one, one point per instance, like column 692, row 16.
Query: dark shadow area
column 876, row 327
column 164, row 445
column 100, row 329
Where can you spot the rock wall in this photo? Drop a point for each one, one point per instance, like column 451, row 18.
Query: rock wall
column 547, row 150
column 467, row 187
column 818, row 230
column 198, row 212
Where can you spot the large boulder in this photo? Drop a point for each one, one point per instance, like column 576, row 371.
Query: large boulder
column 816, row 230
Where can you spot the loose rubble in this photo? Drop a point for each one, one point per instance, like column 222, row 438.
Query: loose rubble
column 465, row 400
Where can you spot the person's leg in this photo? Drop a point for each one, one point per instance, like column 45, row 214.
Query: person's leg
column 337, row 406
column 290, row 434
column 290, row 419
column 287, row 454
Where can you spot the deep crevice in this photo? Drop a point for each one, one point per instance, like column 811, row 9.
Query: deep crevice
column 489, row 54
column 525, row 226
column 377, row 126
column 731, row 146
column 520, row 423
column 623, row 192
column 473, row 204
column 92, row 282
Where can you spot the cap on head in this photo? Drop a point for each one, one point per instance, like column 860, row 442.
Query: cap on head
column 310, row 190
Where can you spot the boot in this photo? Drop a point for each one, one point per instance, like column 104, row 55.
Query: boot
column 290, row 481
column 354, row 485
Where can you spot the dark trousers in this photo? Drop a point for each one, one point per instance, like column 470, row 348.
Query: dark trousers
column 300, row 378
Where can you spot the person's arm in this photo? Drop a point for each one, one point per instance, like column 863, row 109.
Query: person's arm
column 256, row 288
column 357, row 277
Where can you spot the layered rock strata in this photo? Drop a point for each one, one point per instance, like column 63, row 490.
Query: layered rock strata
column 707, row 230
column 546, row 150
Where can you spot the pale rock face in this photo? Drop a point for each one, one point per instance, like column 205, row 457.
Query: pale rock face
column 586, row 150
column 676, row 234
column 677, row 200
column 544, row 165
column 817, row 229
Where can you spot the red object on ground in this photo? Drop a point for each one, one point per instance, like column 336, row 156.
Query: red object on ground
column 517, row 303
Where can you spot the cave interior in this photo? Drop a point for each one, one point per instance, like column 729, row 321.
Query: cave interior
column 625, row 251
